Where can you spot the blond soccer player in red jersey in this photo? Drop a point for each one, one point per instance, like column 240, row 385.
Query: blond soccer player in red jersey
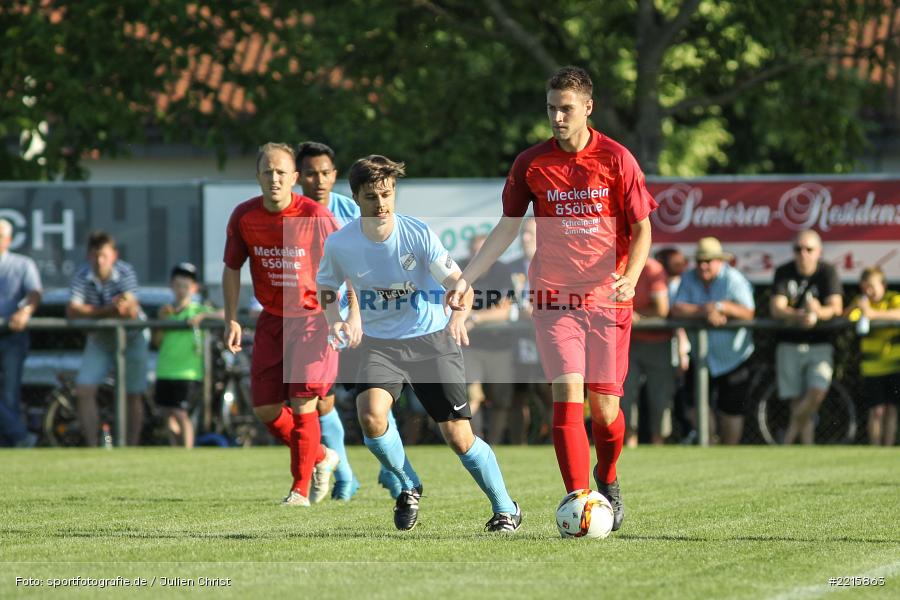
column 282, row 234
column 593, row 230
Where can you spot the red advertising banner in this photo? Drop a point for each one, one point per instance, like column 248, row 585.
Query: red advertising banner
column 756, row 219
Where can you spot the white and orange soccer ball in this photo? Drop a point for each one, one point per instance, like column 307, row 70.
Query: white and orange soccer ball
column 584, row 513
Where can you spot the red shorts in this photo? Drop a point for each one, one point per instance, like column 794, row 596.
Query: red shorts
column 592, row 342
column 291, row 359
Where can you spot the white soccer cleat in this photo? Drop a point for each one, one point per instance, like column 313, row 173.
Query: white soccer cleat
column 321, row 478
column 295, row 499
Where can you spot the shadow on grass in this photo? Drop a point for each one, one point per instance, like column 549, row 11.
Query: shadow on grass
column 331, row 534
column 757, row 538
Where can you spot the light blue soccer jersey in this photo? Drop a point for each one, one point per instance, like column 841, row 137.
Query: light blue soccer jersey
column 398, row 296
column 343, row 208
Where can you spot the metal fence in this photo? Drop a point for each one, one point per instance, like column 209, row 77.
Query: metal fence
column 840, row 420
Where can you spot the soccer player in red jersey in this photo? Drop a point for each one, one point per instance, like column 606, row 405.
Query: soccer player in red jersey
column 593, row 230
column 282, row 234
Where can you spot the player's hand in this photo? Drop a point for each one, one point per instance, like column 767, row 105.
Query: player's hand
column 457, row 329
column 623, row 288
column 455, row 298
column 355, row 333
column 340, row 335
column 164, row 311
column 232, row 336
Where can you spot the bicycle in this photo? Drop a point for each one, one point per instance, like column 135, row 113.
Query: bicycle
column 232, row 408
column 61, row 427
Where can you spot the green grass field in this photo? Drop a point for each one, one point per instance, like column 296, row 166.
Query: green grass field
column 720, row 523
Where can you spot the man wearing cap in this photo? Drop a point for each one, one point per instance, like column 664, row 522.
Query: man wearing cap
column 715, row 292
column 179, row 366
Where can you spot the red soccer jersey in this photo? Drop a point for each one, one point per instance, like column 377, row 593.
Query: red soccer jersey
column 586, row 203
column 284, row 249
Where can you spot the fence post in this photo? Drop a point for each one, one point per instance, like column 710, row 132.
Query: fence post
column 121, row 390
column 701, row 386
column 207, row 380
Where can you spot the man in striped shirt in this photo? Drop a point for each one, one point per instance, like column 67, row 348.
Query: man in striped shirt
column 105, row 288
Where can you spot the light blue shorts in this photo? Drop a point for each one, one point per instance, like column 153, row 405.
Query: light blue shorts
column 99, row 359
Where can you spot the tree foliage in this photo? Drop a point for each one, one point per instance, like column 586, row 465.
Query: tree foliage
column 454, row 87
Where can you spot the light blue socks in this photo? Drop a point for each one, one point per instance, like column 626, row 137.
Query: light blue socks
column 481, row 462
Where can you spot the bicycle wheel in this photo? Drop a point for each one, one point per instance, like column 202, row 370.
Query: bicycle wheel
column 61, row 426
column 772, row 415
column 835, row 420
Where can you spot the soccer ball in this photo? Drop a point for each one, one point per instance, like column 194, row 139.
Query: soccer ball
column 584, row 513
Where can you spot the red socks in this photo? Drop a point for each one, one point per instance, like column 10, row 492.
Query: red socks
column 281, row 427
column 306, row 450
column 573, row 451
column 608, row 442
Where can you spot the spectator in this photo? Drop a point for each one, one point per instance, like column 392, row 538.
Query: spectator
column 20, row 293
column 489, row 358
column 715, row 292
column 806, row 291
column 675, row 263
column 650, row 360
column 179, row 366
column 105, row 289
column 530, row 382
column 880, row 364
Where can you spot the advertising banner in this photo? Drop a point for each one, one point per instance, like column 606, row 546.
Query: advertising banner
column 756, row 219
column 155, row 226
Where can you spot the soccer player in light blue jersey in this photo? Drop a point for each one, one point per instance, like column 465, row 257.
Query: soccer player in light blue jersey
column 399, row 270
column 315, row 163
column 318, row 174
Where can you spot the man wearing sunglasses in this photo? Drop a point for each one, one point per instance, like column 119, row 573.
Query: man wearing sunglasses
column 715, row 292
column 806, row 291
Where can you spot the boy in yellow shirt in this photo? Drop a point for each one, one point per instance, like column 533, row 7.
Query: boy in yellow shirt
column 880, row 349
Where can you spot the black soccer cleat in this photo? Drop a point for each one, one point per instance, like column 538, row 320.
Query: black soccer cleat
column 406, row 511
column 505, row 522
column 612, row 493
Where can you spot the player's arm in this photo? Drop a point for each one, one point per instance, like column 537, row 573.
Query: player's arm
column 338, row 328
column 457, row 324
column 231, row 291
column 638, row 251
column 354, row 318
column 494, row 246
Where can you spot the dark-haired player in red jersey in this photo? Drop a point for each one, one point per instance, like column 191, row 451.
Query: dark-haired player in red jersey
column 593, row 231
column 282, row 234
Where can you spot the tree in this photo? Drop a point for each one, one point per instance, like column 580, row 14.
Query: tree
column 689, row 86
column 89, row 77
column 455, row 87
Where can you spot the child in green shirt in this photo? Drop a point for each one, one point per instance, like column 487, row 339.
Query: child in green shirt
column 179, row 366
